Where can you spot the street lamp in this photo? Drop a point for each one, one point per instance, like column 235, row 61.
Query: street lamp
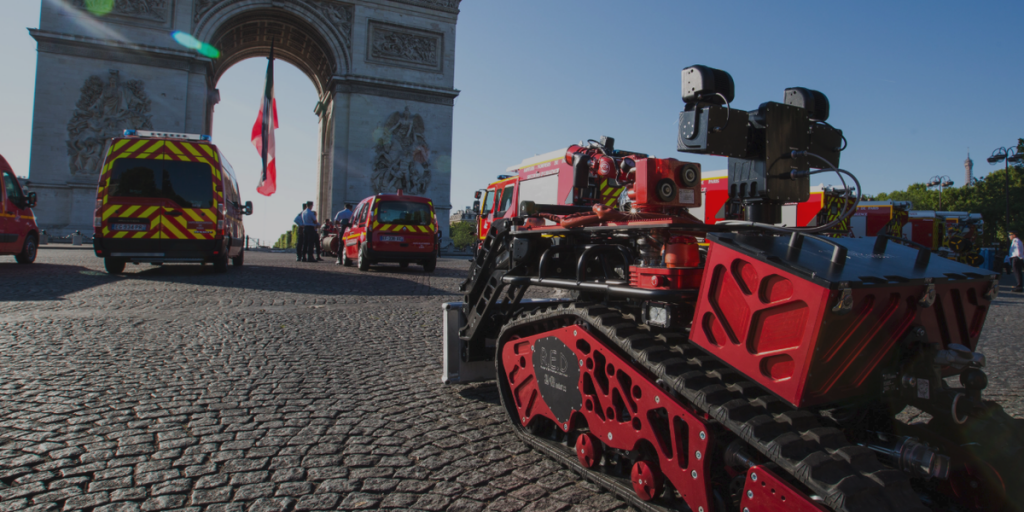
column 941, row 182
column 1009, row 155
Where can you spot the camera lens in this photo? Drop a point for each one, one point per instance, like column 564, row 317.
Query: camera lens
column 666, row 190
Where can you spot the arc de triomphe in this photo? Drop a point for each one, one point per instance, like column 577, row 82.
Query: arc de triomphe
column 384, row 71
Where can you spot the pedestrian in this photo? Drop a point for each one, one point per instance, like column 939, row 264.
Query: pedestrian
column 1016, row 253
column 308, row 232
column 299, row 234
column 343, row 218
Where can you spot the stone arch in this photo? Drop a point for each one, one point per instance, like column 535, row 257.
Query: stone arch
column 313, row 35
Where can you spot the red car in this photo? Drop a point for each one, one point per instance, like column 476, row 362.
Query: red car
column 19, row 234
column 392, row 228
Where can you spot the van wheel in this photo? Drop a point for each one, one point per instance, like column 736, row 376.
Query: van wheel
column 239, row 260
column 345, row 260
column 114, row 266
column 430, row 265
column 28, row 252
column 220, row 265
column 404, row 264
column 363, row 260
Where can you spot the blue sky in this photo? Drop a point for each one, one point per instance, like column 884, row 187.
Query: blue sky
column 913, row 84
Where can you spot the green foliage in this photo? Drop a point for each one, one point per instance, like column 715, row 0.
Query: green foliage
column 987, row 196
column 463, row 234
column 288, row 240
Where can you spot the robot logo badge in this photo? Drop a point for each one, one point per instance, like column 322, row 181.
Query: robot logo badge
column 558, row 375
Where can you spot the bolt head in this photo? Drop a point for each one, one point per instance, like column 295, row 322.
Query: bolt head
column 698, row 455
column 745, row 509
column 574, row 333
column 581, row 362
column 753, row 476
column 693, row 473
column 703, row 436
column 609, row 436
column 700, row 509
column 750, row 494
column 657, row 399
column 565, row 426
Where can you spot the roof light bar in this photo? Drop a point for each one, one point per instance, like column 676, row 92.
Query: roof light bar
column 166, row 135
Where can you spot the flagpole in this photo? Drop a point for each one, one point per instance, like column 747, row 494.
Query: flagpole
column 267, row 113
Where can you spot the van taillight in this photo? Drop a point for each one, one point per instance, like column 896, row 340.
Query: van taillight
column 97, row 222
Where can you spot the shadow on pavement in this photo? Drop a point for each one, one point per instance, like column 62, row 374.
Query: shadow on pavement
column 482, row 392
column 45, row 281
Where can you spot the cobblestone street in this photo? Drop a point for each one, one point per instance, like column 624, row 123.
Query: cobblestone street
column 278, row 386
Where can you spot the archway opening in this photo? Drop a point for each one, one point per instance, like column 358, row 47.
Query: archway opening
column 297, row 140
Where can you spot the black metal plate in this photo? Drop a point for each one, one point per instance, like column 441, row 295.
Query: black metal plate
column 861, row 267
column 558, row 376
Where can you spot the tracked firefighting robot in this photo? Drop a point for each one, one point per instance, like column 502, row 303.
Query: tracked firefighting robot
column 777, row 369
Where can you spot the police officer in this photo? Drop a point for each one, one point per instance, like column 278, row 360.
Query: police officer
column 343, row 220
column 308, row 232
column 299, row 234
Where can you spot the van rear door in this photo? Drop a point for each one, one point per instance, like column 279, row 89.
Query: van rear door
column 403, row 226
column 159, row 189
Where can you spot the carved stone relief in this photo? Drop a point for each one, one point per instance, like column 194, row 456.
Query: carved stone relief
column 402, row 160
column 104, row 110
column 443, row 5
column 200, row 8
column 155, row 10
column 338, row 14
column 404, row 46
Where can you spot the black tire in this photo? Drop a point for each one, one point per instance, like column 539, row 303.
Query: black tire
column 114, row 266
column 220, row 265
column 404, row 264
column 430, row 265
column 363, row 259
column 345, row 260
column 28, row 251
column 239, row 260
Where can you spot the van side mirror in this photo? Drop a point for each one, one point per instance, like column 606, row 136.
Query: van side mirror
column 31, row 200
column 248, row 208
column 476, row 195
column 476, row 206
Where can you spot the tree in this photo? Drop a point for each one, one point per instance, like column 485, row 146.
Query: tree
column 986, row 196
column 463, row 234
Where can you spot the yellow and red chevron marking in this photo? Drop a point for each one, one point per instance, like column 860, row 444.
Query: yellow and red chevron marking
column 149, row 215
column 609, row 194
column 176, row 227
column 418, row 229
column 156, row 149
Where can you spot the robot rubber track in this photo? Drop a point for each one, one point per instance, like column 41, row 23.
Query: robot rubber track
column 849, row 478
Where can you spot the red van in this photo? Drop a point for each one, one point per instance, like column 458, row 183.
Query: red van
column 19, row 234
column 392, row 228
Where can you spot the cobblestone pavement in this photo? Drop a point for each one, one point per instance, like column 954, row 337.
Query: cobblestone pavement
column 278, row 386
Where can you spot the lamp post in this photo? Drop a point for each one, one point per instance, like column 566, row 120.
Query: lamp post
column 941, row 182
column 1008, row 155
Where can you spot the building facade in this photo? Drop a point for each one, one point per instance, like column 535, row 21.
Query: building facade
column 383, row 69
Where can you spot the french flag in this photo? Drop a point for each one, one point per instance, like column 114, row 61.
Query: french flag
column 263, row 131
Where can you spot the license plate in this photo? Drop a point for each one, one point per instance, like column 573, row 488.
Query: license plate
column 387, row 238
column 130, row 227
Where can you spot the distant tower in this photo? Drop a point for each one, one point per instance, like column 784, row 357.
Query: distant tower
column 968, row 170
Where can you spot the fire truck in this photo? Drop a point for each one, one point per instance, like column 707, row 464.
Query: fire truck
column 784, row 370
column 542, row 179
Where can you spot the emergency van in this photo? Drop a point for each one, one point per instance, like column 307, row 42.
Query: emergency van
column 19, row 234
column 392, row 228
column 168, row 198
